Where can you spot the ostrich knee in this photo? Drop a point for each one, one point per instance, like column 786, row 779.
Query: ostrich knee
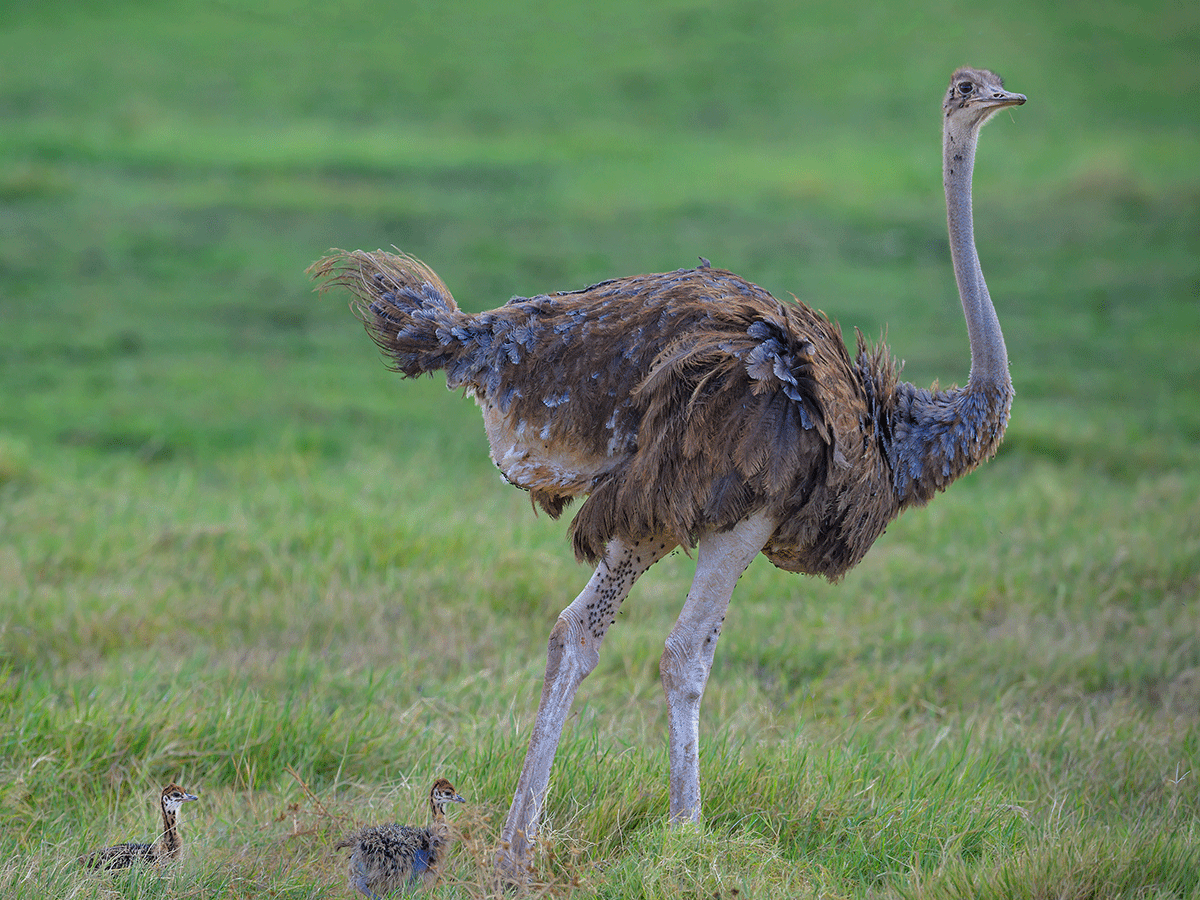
column 572, row 653
column 684, row 674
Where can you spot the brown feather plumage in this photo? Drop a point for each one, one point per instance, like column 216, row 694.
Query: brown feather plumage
column 675, row 403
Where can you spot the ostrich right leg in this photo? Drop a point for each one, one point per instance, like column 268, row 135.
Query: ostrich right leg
column 688, row 656
column 573, row 653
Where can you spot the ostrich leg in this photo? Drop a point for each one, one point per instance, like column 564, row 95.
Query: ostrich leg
column 573, row 652
column 688, row 657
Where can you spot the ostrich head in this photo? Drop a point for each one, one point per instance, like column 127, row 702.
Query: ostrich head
column 975, row 95
column 173, row 797
column 443, row 792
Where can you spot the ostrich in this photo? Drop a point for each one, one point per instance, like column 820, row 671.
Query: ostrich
column 165, row 849
column 397, row 857
column 694, row 409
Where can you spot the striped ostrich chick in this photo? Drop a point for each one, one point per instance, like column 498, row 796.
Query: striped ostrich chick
column 394, row 857
column 165, row 848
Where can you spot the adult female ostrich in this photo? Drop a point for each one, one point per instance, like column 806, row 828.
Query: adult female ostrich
column 694, row 409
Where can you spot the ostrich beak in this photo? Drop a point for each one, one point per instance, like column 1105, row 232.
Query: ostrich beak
column 999, row 99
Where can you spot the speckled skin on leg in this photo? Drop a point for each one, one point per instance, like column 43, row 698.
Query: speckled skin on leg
column 572, row 654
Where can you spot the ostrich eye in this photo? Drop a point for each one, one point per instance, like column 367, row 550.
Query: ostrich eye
column 965, row 88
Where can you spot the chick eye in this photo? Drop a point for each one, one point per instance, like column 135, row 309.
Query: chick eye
column 965, row 88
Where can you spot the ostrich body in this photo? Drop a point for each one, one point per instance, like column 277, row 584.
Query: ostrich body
column 694, row 409
column 166, row 848
column 395, row 857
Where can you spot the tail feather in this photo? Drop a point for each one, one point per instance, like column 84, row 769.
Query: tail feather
column 402, row 303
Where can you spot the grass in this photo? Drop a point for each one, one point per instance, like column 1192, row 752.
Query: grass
column 238, row 553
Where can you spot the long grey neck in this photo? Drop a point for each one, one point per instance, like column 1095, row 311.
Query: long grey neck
column 989, row 358
column 939, row 435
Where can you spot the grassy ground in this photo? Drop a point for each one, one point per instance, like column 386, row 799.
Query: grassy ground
column 237, row 553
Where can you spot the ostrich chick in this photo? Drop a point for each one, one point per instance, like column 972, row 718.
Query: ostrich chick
column 165, row 849
column 394, row 857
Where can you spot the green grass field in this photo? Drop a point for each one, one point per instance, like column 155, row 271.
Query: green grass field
column 237, row 552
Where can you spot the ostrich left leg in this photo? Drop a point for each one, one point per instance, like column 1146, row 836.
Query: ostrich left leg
column 720, row 560
column 573, row 652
